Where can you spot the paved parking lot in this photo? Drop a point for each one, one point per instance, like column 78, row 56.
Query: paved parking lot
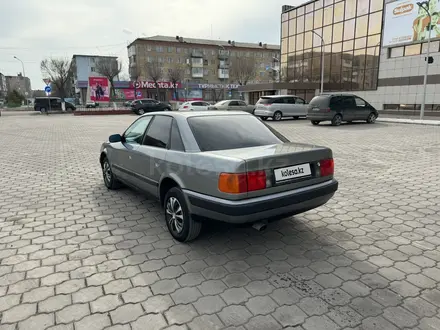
column 76, row 256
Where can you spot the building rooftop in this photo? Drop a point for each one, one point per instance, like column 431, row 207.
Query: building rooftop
column 208, row 42
column 103, row 56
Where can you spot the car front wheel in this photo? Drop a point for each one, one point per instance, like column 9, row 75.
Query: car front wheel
column 109, row 179
column 264, row 118
column 371, row 118
column 315, row 122
column 277, row 116
column 179, row 222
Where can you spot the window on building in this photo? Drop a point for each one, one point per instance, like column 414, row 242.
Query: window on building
column 262, row 73
column 350, row 9
column 373, row 40
column 149, row 48
column 308, row 22
column 328, row 15
column 309, row 8
column 328, row 3
column 284, row 44
column 170, row 60
column 361, row 26
column 159, row 49
column 348, row 45
column 160, row 59
column 170, row 49
column 373, row 26
column 397, row 51
column 93, row 60
column 360, row 43
column 317, row 19
column 327, row 34
column 362, row 7
column 337, row 32
column 339, row 12
column 300, row 41
column 300, row 24
column 412, row 50
column 292, row 14
column 349, row 29
column 187, row 71
column 292, row 44
column 434, row 47
column 308, row 40
column 318, row 4
column 92, row 69
column 178, row 50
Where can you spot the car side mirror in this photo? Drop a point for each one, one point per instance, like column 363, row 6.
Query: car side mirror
column 115, row 138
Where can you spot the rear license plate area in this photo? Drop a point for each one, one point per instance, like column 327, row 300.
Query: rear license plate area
column 292, row 172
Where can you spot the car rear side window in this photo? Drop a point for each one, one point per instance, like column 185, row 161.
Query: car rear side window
column 289, row 100
column 278, row 100
column 265, row 100
column 158, row 133
column 176, row 142
column 320, row 101
column 232, row 132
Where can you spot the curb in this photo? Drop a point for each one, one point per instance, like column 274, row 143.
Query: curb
column 410, row 121
column 102, row 112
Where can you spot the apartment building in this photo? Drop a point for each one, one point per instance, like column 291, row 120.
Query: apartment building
column 3, row 87
column 19, row 83
column 206, row 65
column 85, row 67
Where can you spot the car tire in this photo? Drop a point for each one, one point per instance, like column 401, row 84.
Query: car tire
column 315, row 122
column 140, row 112
column 179, row 222
column 371, row 118
column 168, row 109
column 296, row 117
column 264, row 118
column 337, row 120
column 69, row 109
column 277, row 116
column 42, row 110
column 110, row 180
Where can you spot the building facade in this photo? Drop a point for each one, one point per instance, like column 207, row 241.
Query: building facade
column 3, row 88
column 84, row 66
column 373, row 48
column 206, row 65
column 20, row 84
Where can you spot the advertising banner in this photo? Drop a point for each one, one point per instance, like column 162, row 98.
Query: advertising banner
column 406, row 22
column 161, row 84
column 99, row 89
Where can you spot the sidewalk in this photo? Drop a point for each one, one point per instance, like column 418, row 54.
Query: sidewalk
column 432, row 122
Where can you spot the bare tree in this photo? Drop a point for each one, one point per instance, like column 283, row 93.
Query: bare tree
column 243, row 69
column 109, row 68
column 176, row 74
column 155, row 73
column 60, row 72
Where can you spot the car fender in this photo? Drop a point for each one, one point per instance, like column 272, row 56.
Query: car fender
column 172, row 176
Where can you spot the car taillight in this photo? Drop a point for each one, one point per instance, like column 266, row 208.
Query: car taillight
column 267, row 104
column 327, row 167
column 185, row 107
column 237, row 183
column 327, row 110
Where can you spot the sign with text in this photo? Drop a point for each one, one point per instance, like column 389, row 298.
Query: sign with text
column 161, row 84
column 99, row 89
column 218, row 86
column 406, row 22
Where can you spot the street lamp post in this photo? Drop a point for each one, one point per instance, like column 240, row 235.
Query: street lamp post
column 425, row 6
column 224, row 79
column 24, row 77
column 322, row 60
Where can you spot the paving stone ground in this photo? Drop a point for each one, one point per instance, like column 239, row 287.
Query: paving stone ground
column 76, row 256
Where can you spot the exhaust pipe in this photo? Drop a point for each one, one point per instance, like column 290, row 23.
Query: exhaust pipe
column 260, row 226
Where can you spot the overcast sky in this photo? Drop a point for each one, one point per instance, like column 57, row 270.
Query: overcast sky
column 33, row 30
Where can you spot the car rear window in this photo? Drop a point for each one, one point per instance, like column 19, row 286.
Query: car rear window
column 265, row 100
column 320, row 101
column 231, row 132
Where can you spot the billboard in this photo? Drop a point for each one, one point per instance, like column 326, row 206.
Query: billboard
column 99, row 89
column 406, row 22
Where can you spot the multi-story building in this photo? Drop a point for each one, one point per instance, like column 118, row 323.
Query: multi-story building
column 3, row 87
column 85, row 67
column 206, row 65
column 19, row 83
column 374, row 48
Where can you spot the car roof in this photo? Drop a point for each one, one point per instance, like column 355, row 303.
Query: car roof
column 275, row 96
column 188, row 114
column 337, row 94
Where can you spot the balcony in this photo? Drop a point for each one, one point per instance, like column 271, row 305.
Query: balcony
column 197, row 62
column 223, row 54
column 197, row 53
column 223, row 65
column 223, row 74
column 197, row 72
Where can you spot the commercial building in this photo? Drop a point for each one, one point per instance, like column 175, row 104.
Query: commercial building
column 19, row 83
column 3, row 88
column 207, row 66
column 84, row 67
column 371, row 50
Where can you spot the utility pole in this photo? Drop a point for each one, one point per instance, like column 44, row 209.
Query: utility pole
column 425, row 6
column 322, row 60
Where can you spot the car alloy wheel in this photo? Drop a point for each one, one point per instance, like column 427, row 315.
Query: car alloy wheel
column 337, row 120
column 174, row 215
column 109, row 179
column 141, row 111
column 371, row 118
column 277, row 116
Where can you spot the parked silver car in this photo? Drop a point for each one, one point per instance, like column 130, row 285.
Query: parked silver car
column 279, row 106
column 233, row 105
column 226, row 166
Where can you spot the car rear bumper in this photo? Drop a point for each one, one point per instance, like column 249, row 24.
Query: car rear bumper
column 263, row 113
column 320, row 116
column 261, row 208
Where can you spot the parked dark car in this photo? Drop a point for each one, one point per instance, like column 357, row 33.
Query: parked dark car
column 149, row 105
column 340, row 107
column 42, row 104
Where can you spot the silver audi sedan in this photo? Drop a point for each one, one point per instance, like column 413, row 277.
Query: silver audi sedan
column 217, row 165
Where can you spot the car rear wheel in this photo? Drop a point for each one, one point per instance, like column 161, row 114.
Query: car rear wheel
column 264, row 118
column 296, row 117
column 179, row 222
column 109, row 179
column 43, row 110
column 337, row 120
column 167, row 109
column 277, row 116
column 140, row 112
column 371, row 118
column 315, row 122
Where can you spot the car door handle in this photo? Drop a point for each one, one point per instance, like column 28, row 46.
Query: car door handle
column 156, row 164
column 129, row 157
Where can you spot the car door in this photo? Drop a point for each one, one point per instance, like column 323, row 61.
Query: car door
column 290, row 108
column 348, row 108
column 121, row 157
column 198, row 106
column 205, row 105
column 300, row 107
column 233, row 105
column 242, row 106
column 362, row 109
column 149, row 162
column 278, row 104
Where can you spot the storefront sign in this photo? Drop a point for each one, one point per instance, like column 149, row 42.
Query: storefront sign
column 161, row 84
column 217, row 86
column 406, row 22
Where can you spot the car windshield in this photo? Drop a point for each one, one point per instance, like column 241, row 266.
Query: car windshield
column 221, row 103
column 232, row 132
